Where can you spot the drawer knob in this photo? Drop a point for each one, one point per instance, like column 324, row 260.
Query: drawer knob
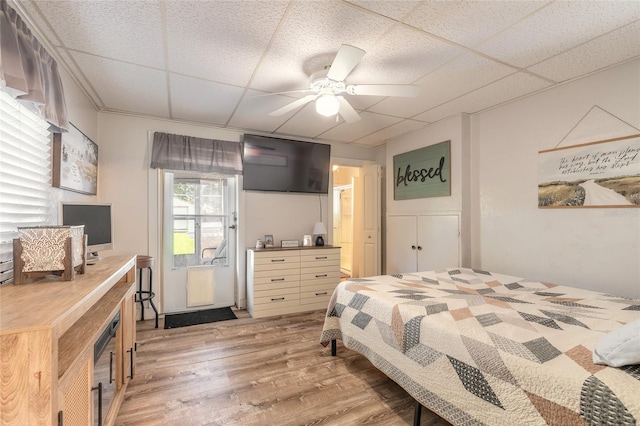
column 321, row 276
column 324, row 293
column 273, row 299
column 276, row 279
column 321, row 257
column 277, row 260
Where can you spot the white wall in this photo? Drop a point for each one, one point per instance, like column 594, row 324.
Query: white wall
column 82, row 114
column 450, row 129
column 127, row 182
column 455, row 129
column 595, row 248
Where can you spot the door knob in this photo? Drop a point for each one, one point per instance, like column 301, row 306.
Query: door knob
column 413, row 247
column 419, row 247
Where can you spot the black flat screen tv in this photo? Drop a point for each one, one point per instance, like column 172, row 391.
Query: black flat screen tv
column 96, row 219
column 283, row 165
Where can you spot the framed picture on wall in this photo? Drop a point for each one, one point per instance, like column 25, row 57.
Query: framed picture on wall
column 75, row 162
column 595, row 174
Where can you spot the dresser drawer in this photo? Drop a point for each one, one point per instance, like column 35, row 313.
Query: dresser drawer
column 277, row 274
column 276, row 280
column 280, row 298
column 319, row 273
column 320, row 257
column 319, row 284
column 319, row 297
column 276, row 260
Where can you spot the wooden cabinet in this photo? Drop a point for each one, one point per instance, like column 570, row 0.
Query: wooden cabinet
column 74, row 393
column 48, row 329
column 319, row 275
column 283, row 281
column 422, row 243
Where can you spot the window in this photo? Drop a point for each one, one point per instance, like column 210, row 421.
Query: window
column 199, row 220
column 25, row 176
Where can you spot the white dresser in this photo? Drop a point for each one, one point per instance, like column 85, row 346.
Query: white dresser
column 284, row 281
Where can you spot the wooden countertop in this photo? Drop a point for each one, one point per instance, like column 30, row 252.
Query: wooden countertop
column 49, row 303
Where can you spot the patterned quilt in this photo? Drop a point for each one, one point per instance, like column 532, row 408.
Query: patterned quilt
column 477, row 347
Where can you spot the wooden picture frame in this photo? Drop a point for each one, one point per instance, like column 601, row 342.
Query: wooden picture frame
column 596, row 174
column 423, row 173
column 75, row 162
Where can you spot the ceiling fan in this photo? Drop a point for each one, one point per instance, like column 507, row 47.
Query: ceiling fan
column 327, row 87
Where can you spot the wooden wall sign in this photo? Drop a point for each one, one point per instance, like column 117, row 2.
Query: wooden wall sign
column 425, row 172
column 597, row 174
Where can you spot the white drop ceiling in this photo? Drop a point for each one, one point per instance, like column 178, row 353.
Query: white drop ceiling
column 209, row 61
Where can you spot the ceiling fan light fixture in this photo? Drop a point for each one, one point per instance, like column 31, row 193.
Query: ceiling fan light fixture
column 327, row 105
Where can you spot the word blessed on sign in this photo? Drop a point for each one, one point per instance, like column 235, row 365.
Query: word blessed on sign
column 425, row 172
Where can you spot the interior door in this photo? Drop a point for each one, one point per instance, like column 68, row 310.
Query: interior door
column 370, row 178
column 438, row 242
column 198, row 241
column 401, row 244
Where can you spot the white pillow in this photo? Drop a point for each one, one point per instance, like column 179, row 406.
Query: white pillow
column 619, row 347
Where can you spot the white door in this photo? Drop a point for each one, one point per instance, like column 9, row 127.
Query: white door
column 422, row 243
column 370, row 179
column 401, row 244
column 438, row 242
column 198, row 241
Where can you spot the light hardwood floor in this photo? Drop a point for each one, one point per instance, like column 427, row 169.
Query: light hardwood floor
column 269, row 371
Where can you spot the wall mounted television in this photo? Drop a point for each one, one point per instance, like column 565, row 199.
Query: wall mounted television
column 97, row 222
column 283, row 165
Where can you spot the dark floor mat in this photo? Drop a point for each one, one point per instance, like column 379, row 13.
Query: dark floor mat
column 198, row 317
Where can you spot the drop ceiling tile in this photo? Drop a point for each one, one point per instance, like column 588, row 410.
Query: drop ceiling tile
column 220, row 40
column 501, row 91
column 203, row 101
column 402, row 57
column 381, row 136
column 308, row 123
column 253, row 112
column 127, row 31
column 611, row 48
column 469, row 22
column 557, row 28
column 309, row 39
column 369, row 123
column 393, row 9
column 458, row 77
column 66, row 60
column 125, row 87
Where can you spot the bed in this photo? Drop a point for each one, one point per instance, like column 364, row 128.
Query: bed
column 478, row 347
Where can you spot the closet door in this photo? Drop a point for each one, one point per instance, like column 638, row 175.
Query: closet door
column 401, row 244
column 438, row 242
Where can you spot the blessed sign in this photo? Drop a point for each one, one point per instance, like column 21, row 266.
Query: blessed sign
column 425, row 172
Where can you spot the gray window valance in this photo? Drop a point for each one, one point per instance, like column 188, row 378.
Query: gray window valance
column 177, row 152
column 28, row 72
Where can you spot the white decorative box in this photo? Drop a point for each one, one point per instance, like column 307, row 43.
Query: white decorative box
column 45, row 249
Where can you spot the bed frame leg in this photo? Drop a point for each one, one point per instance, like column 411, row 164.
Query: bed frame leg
column 417, row 413
column 334, row 349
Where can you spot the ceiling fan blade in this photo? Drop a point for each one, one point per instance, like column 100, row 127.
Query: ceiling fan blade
column 293, row 105
column 344, row 62
column 404, row 90
column 282, row 93
column 346, row 111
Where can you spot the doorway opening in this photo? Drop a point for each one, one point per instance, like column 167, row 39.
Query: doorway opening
column 343, row 217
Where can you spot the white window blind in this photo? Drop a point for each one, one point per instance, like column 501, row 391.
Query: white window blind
column 25, row 176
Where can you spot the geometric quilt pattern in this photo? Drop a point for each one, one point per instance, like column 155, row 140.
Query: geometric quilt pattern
column 479, row 347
